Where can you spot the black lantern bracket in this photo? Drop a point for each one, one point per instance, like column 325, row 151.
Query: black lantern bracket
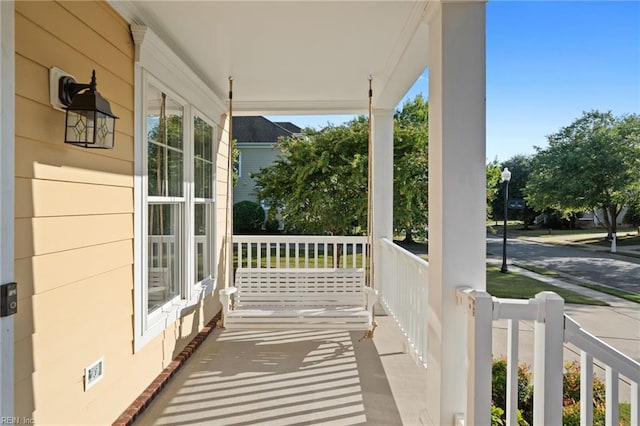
column 89, row 122
column 55, row 74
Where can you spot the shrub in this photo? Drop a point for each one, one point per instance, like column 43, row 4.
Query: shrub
column 525, row 389
column 248, row 217
column 570, row 391
column 571, row 396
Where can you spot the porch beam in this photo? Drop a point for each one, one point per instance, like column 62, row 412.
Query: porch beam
column 457, row 246
column 382, row 188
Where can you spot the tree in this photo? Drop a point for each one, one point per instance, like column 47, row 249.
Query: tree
column 520, row 167
column 592, row 164
column 411, row 168
column 319, row 182
column 493, row 185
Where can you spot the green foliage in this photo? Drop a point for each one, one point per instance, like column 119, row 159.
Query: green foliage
column 520, row 168
column 411, row 167
column 248, row 217
column 525, row 389
column 497, row 414
column 319, row 182
column 493, row 186
column 571, row 395
column 594, row 163
column 632, row 217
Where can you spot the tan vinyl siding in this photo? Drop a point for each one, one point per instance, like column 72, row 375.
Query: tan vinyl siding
column 74, row 226
column 222, row 161
column 74, row 221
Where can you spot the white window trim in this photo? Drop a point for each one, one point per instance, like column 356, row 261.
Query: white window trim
column 155, row 62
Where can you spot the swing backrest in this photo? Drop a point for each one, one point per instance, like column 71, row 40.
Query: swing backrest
column 300, row 288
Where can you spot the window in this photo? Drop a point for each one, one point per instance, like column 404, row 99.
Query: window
column 179, row 201
column 174, row 187
column 165, row 198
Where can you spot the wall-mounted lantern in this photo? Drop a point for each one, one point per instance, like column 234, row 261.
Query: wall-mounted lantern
column 89, row 121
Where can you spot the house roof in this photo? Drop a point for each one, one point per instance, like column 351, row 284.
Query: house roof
column 258, row 129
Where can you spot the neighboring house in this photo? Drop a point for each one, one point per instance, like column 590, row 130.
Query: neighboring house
column 256, row 142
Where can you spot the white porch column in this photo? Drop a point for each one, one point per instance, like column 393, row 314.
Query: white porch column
column 7, row 158
column 457, row 250
column 382, row 188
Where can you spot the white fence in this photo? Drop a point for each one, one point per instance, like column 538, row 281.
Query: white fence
column 403, row 287
column 300, row 251
column 552, row 329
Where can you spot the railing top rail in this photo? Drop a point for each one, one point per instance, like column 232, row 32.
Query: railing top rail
column 592, row 345
column 349, row 239
column 385, row 242
column 573, row 333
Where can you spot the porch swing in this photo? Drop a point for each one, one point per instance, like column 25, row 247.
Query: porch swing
column 299, row 298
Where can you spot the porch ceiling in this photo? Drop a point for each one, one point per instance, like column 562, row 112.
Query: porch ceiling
column 294, row 56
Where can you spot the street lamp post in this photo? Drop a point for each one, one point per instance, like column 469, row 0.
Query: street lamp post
column 506, row 177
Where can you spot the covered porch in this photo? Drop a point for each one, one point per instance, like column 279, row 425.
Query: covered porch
column 332, row 51
column 318, row 375
column 439, row 315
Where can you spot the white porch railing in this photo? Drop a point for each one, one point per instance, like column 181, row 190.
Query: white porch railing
column 300, row 251
column 403, row 288
column 552, row 329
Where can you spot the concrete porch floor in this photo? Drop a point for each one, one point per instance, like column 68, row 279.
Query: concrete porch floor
column 330, row 378
column 295, row 377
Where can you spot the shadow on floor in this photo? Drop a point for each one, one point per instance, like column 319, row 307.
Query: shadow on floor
column 278, row 378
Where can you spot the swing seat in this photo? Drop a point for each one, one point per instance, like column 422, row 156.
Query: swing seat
column 299, row 298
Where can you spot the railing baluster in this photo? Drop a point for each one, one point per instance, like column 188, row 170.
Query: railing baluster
column 512, row 371
column 267, row 253
column 611, row 396
column 287, row 250
column 635, row 404
column 547, row 361
column 315, row 255
column 586, row 389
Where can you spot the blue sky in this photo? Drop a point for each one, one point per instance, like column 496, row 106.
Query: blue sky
column 547, row 62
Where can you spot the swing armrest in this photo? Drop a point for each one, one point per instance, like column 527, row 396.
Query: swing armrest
column 226, row 298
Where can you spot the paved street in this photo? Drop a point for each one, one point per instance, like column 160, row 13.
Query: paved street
column 599, row 267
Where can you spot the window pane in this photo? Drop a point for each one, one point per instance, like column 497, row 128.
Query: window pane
column 165, row 142
column 208, row 181
column 164, row 272
column 198, row 178
column 202, row 231
column 156, row 166
column 203, row 139
column 174, row 173
column 203, row 158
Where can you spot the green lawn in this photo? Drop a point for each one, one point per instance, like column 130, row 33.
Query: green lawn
column 536, row 269
column 514, row 286
column 614, row 292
